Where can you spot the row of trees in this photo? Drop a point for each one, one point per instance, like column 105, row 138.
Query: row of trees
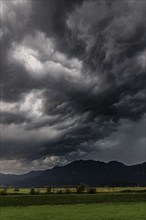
column 49, row 190
column 79, row 189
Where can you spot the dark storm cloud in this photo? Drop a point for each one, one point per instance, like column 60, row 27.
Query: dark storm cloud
column 9, row 118
column 112, row 53
column 13, row 27
column 70, row 75
column 50, row 17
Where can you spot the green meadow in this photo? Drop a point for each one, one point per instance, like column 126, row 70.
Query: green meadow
column 98, row 206
column 69, row 199
column 111, row 211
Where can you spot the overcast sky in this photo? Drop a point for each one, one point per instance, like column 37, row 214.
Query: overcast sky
column 72, row 82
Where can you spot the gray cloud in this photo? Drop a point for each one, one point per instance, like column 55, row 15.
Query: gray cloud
column 73, row 77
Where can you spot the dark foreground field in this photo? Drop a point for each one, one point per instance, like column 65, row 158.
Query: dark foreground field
column 106, row 206
column 69, row 199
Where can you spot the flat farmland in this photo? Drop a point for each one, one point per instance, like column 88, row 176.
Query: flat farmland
column 98, row 206
column 110, row 211
column 69, row 199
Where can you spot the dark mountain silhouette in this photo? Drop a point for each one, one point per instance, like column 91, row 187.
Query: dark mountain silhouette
column 89, row 172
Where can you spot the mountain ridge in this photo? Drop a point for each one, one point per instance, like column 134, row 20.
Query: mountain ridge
column 87, row 172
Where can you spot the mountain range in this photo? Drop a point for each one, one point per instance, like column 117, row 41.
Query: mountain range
column 88, row 172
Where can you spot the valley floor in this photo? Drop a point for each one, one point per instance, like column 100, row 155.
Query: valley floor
column 110, row 211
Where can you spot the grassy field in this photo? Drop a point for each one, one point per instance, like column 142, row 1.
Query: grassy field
column 114, row 205
column 58, row 199
column 128, row 211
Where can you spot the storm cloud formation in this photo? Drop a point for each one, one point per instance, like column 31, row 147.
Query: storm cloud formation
column 72, row 82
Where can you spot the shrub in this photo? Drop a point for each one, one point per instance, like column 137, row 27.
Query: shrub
column 80, row 189
column 32, row 191
column 16, row 189
column 4, row 192
column 59, row 192
column 68, row 191
column 49, row 189
column 92, row 190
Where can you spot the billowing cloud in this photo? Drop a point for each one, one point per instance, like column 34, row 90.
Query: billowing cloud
column 73, row 82
column 39, row 57
column 13, row 18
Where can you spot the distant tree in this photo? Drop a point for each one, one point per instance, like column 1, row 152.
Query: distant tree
column 16, row 189
column 49, row 189
column 32, row 191
column 4, row 191
column 59, row 192
column 80, row 189
column 68, row 191
column 92, row 190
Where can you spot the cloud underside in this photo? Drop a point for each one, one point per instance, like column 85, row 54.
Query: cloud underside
column 72, row 82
